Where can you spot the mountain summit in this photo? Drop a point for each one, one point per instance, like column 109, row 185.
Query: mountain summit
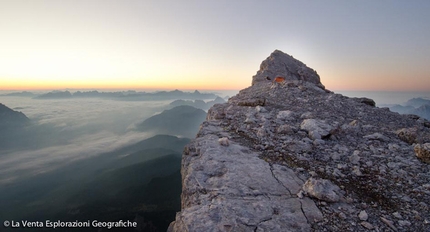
column 285, row 154
column 280, row 64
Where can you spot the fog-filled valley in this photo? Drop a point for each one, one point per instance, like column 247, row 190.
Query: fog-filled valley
column 96, row 157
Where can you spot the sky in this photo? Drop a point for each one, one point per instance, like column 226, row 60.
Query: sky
column 86, row 44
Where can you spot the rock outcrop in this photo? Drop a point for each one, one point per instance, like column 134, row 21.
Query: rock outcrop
column 293, row 156
column 282, row 65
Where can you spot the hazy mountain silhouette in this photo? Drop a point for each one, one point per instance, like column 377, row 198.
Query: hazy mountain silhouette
column 55, row 95
column 13, row 127
column 402, row 109
column 121, row 184
column 180, row 121
column 422, row 111
column 417, row 106
column 417, row 102
column 11, row 118
column 20, row 94
column 130, row 95
column 200, row 104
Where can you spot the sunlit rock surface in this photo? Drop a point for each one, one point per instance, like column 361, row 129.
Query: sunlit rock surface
column 293, row 156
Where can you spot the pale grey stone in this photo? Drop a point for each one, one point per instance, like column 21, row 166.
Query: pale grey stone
column 311, row 211
column 287, row 178
column 254, row 183
column 314, row 135
column 322, row 189
column 367, row 225
column 377, row 136
column 403, row 223
column 363, row 215
column 307, row 115
column 260, row 109
column 285, row 114
column 223, row 141
column 422, row 151
column 233, row 190
column 355, row 158
column 318, row 142
column 389, row 223
column 342, row 215
column 356, row 171
column 335, row 156
column 285, row 129
column 316, row 128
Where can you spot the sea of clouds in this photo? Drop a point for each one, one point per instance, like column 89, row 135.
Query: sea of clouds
column 77, row 129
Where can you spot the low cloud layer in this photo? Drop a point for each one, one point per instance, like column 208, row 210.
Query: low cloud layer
column 76, row 129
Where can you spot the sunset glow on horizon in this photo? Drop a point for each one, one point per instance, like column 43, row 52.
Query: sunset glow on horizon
column 212, row 45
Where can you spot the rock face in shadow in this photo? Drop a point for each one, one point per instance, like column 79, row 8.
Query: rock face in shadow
column 11, row 118
column 290, row 155
column 13, row 128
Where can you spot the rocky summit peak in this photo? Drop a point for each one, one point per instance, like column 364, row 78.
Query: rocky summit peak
column 289, row 155
column 280, row 64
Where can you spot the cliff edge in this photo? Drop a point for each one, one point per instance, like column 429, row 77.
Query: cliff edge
column 288, row 155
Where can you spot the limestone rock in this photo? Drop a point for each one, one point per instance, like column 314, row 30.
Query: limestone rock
column 284, row 65
column 300, row 158
column 363, row 215
column 422, row 151
column 228, row 188
column 408, row 135
column 377, row 136
column 322, row 189
column 285, row 114
column 252, row 102
column 366, row 101
column 367, row 225
column 223, row 141
column 285, row 129
column 317, row 129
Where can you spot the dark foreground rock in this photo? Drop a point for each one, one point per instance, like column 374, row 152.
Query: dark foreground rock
column 292, row 156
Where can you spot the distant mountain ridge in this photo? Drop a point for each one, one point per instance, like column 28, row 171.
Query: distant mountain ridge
column 200, row 104
column 418, row 106
column 20, row 94
column 181, row 120
column 130, row 95
column 417, row 102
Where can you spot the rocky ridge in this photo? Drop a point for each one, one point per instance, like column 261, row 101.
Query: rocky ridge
column 293, row 156
column 11, row 119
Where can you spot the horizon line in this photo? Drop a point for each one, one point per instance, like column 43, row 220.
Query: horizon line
column 190, row 89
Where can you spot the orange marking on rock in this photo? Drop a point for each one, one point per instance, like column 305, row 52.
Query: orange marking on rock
column 279, row 79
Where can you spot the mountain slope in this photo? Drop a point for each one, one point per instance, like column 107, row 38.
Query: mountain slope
column 286, row 154
column 11, row 118
column 111, row 186
column 179, row 121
